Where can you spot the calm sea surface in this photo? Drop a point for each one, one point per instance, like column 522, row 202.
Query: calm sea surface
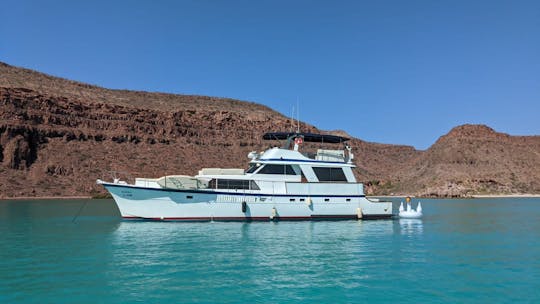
column 474, row 251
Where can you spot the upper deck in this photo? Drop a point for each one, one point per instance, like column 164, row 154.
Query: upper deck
column 323, row 157
column 277, row 166
column 289, row 151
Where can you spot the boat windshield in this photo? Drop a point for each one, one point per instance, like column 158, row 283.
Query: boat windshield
column 253, row 167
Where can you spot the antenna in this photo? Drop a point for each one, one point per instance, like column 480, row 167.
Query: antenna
column 297, row 115
column 292, row 119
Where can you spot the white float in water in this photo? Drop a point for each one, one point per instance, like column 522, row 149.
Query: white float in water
column 410, row 212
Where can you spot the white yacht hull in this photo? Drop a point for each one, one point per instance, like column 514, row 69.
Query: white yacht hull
column 205, row 205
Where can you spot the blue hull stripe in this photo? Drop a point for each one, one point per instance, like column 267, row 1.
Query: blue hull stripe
column 227, row 193
column 301, row 161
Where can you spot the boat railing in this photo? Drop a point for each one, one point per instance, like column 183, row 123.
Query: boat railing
column 245, row 186
column 146, row 182
column 118, row 177
column 310, row 155
column 239, row 185
column 279, row 187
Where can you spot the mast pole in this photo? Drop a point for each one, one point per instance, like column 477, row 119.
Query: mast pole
column 297, row 114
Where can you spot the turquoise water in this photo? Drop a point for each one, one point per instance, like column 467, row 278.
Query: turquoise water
column 473, row 251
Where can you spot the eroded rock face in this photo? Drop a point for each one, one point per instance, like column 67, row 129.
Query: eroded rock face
column 18, row 153
column 19, row 150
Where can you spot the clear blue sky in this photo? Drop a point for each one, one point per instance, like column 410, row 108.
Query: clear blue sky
column 402, row 72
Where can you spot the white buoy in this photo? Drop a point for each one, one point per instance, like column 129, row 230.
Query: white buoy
column 410, row 213
column 308, row 201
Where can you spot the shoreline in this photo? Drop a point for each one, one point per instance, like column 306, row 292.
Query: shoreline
column 517, row 195
column 29, row 198
column 521, row 195
column 503, row 195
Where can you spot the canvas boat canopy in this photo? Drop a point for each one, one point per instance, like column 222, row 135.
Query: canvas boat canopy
column 308, row 137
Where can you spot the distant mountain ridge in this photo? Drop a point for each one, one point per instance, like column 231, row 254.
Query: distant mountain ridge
column 57, row 136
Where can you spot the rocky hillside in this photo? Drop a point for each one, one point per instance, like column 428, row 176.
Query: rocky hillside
column 474, row 159
column 58, row 136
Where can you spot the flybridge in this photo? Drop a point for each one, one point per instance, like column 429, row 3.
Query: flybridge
column 307, row 137
column 299, row 138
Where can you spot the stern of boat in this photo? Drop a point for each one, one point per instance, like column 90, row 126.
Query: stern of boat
column 375, row 209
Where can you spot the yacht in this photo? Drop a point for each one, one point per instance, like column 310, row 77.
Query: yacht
column 281, row 183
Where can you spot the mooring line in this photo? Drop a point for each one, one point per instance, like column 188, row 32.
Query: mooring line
column 79, row 212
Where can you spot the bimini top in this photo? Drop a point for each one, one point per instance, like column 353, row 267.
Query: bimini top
column 308, row 137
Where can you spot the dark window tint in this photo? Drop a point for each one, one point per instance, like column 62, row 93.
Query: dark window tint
column 325, row 174
column 233, row 184
column 277, row 169
column 253, row 168
column 253, row 186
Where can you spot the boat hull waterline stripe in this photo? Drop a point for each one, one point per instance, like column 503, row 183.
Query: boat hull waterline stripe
column 300, row 161
column 260, row 218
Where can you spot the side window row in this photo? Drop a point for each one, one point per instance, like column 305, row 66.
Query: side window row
column 327, row 174
column 324, row 174
column 238, row 184
column 277, row 169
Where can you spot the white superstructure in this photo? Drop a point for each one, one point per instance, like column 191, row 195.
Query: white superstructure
column 280, row 184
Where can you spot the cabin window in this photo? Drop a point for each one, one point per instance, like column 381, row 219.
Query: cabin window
column 253, row 185
column 238, row 184
column 327, row 174
column 277, row 169
column 253, row 167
